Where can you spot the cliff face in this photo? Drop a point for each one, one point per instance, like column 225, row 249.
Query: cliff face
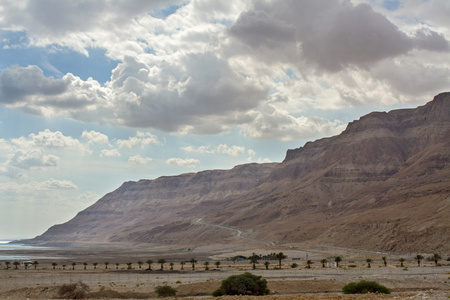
column 138, row 210
column 383, row 183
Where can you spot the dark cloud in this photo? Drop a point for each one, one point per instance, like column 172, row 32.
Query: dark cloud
column 258, row 29
column 195, row 89
column 18, row 82
column 330, row 35
column 430, row 40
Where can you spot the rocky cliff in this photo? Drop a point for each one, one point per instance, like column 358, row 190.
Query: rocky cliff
column 384, row 184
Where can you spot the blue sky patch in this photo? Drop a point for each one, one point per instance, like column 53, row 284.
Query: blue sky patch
column 391, row 4
column 53, row 60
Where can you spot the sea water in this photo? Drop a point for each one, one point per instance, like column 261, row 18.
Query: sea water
column 6, row 245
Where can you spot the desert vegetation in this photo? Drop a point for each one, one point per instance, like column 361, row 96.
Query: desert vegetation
column 365, row 287
column 244, row 284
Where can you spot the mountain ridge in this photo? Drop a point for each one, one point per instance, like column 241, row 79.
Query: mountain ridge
column 382, row 184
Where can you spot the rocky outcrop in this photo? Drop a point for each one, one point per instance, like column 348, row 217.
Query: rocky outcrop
column 383, row 183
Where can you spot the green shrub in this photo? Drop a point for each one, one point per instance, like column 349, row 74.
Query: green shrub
column 244, row 284
column 165, row 291
column 294, row 265
column 364, row 287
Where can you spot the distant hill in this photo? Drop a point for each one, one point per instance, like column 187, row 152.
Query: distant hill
column 382, row 184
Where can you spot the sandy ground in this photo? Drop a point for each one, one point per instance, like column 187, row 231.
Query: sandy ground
column 409, row 282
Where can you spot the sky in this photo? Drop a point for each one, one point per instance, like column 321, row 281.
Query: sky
column 96, row 93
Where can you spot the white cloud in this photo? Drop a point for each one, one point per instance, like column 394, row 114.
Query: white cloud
column 139, row 160
column 50, row 139
column 49, row 185
column 32, row 159
column 109, row 153
column 94, row 137
column 279, row 125
column 232, row 151
column 189, row 162
column 12, row 172
column 199, row 149
column 221, row 149
column 142, row 138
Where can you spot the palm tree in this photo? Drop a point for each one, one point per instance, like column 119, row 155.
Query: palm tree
column 254, row 261
column 149, row 262
column 73, row 265
column 129, row 265
column 106, row 264
column 217, row 263
column 95, row 265
column 384, row 260
column 267, row 263
column 401, row 260
column 162, row 261
column 171, row 266
column 85, row 265
column 54, row 265
column 117, row 266
column 206, row 263
column 337, row 259
column 323, row 262
column 309, row 263
column 436, row 258
column 16, row 263
column 7, row 263
column 418, row 258
column 35, row 263
column 193, row 261
column 280, row 256
column 140, row 263
column 368, row 261
column 182, row 265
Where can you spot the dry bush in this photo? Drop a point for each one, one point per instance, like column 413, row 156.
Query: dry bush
column 73, row 291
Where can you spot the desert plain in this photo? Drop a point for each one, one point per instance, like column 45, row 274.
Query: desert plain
column 113, row 281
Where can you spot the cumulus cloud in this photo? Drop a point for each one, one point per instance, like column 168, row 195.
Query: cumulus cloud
column 189, row 162
column 185, row 94
column 109, row 153
column 331, row 35
column 139, row 160
column 232, row 151
column 141, row 139
column 199, row 150
column 210, row 67
column 32, row 159
column 276, row 124
column 17, row 83
column 50, row 139
column 94, row 137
